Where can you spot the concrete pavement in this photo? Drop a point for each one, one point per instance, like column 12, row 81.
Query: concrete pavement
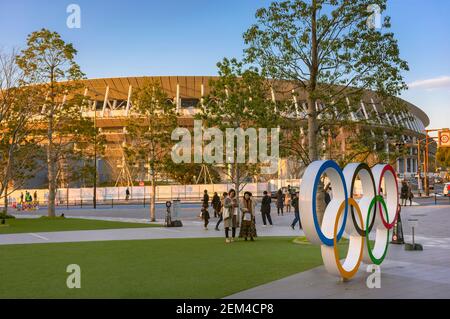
column 404, row 274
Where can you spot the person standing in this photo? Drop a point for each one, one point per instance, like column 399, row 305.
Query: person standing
column 127, row 194
column 404, row 193
column 205, row 217
column 28, row 200
column 265, row 209
column 205, row 200
column 21, row 198
column 248, row 228
column 221, row 204
column 215, row 202
column 280, row 202
column 230, row 215
column 410, row 194
column 287, row 201
column 327, row 197
column 295, row 204
column 35, row 197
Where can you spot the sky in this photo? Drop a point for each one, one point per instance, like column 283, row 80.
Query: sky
column 188, row 37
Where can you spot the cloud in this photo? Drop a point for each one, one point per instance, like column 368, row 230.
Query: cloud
column 434, row 83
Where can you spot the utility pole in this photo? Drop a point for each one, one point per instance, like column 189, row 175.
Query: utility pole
column 419, row 179
column 427, row 186
column 95, row 155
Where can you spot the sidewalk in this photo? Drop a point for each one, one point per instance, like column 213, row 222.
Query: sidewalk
column 413, row 274
column 190, row 229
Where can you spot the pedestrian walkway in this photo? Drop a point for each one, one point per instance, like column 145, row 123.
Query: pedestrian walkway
column 191, row 229
column 404, row 274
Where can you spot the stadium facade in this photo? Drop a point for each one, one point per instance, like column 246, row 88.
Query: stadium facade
column 111, row 100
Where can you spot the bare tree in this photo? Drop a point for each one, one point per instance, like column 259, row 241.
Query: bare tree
column 50, row 63
column 18, row 152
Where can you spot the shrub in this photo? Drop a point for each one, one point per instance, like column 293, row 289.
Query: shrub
column 6, row 216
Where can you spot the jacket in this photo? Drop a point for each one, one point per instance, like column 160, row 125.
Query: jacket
column 265, row 204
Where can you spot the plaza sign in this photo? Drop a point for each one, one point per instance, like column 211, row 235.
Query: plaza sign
column 372, row 212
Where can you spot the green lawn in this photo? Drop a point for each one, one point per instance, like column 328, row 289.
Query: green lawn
column 163, row 268
column 44, row 224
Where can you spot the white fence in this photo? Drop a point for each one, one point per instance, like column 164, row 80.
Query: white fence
column 163, row 192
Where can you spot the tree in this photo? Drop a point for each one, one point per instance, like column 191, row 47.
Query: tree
column 238, row 100
column 18, row 152
column 330, row 51
column 443, row 157
column 89, row 144
column 50, row 63
column 188, row 173
column 149, row 133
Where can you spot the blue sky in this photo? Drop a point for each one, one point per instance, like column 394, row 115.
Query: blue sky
column 188, row 37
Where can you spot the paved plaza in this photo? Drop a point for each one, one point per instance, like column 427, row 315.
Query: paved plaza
column 404, row 274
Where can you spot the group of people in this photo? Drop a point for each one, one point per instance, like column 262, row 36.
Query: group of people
column 242, row 214
column 27, row 202
column 284, row 200
column 232, row 213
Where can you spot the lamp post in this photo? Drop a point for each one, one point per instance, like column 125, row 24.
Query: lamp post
column 427, row 186
column 95, row 156
column 419, row 179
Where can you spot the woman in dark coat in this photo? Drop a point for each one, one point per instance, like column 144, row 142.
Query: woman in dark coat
column 280, row 202
column 265, row 209
column 404, row 193
column 215, row 202
column 247, row 206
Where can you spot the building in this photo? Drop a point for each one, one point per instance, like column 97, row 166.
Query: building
column 111, row 100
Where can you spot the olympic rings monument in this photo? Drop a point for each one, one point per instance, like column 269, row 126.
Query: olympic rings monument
column 345, row 217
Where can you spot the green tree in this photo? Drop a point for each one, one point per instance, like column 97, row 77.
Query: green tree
column 239, row 99
column 18, row 153
column 50, row 62
column 188, row 173
column 149, row 131
column 328, row 49
column 332, row 52
column 443, row 157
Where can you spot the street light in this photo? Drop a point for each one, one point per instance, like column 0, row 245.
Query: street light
column 95, row 156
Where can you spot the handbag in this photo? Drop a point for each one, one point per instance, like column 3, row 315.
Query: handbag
column 226, row 213
column 247, row 216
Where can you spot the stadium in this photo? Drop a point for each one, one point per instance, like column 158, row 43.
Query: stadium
column 111, row 100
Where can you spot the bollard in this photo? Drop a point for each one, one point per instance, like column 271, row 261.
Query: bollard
column 168, row 222
column 414, row 246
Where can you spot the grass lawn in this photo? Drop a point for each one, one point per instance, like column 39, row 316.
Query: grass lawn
column 44, row 224
column 161, row 268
